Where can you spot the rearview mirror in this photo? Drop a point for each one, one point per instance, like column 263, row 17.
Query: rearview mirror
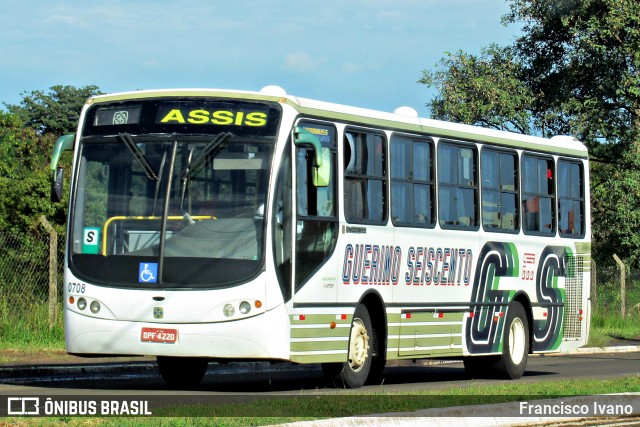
column 56, row 185
column 322, row 156
column 64, row 143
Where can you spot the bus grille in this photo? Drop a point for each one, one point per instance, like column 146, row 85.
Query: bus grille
column 574, row 284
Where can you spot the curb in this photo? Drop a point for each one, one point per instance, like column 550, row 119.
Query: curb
column 501, row 414
column 14, row 373
column 615, row 349
column 73, row 371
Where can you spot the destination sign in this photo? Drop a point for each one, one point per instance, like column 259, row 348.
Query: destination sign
column 193, row 116
column 211, row 114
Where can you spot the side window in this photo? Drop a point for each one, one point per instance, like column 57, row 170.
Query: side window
column 412, row 183
column 457, row 186
column 538, row 195
column 498, row 171
column 571, row 203
column 317, row 220
column 365, row 180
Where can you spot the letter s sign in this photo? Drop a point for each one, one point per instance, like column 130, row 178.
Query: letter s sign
column 91, row 240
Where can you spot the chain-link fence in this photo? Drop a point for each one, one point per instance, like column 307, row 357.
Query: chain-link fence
column 26, row 278
column 607, row 290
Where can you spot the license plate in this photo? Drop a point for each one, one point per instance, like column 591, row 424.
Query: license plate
column 168, row 336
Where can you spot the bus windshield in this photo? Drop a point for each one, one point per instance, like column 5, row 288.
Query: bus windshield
column 170, row 210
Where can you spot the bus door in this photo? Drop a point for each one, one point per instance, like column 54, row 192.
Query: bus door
column 316, row 221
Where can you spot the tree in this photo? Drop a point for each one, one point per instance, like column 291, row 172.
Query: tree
column 27, row 134
column 615, row 209
column 574, row 70
column 55, row 112
column 25, row 177
column 581, row 59
column 485, row 90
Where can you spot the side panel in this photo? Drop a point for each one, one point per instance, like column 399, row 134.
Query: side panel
column 483, row 329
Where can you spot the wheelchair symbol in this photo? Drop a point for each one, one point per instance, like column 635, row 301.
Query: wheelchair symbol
column 148, row 273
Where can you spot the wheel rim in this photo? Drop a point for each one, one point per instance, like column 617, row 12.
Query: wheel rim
column 517, row 341
column 359, row 345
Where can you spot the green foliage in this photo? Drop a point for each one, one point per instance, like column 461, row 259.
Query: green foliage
column 574, row 70
column 615, row 208
column 27, row 134
column 55, row 112
column 581, row 59
column 484, row 90
column 25, row 177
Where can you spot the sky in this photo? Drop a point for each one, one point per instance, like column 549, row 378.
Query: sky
column 366, row 53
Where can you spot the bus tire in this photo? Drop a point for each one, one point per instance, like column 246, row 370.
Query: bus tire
column 354, row 372
column 515, row 349
column 182, row 372
column 375, row 372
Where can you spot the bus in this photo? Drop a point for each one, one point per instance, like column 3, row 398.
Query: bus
column 218, row 225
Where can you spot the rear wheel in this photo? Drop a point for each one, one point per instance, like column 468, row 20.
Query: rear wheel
column 354, row 372
column 182, row 372
column 515, row 351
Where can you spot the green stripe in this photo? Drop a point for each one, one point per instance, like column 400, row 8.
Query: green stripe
column 409, row 342
column 583, row 248
column 182, row 93
column 422, row 353
column 319, row 345
column 316, row 319
column 427, row 316
column 319, row 332
column 468, row 133
column 319, row 358
column 430, row 329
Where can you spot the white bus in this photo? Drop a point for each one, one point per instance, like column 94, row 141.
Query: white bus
column 215, row 225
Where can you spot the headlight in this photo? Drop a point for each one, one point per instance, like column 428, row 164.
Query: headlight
column 229, row 310
column 245, row 307
column 95, row 307
column 82, row 303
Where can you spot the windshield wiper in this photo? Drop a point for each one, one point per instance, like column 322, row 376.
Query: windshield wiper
column 138, row 155
column 206, row 152
column 199, row 163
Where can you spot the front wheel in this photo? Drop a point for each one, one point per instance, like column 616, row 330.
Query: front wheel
column 354, row 372
column 515, row 351
column 182, row 372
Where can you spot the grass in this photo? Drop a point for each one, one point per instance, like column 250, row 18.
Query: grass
column 342, row 404
column 607, row 324
column 27, row 329
column 615, row 327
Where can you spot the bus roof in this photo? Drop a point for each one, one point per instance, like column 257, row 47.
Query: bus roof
column 402, row 119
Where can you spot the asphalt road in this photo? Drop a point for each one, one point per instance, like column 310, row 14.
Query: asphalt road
column 265, row 379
